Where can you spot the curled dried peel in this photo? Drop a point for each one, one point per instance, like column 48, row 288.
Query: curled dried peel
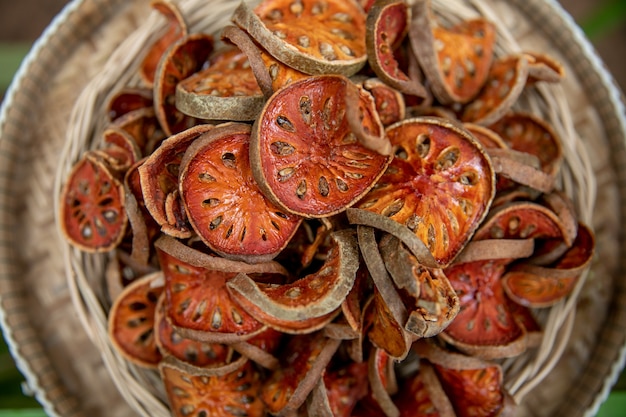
column 312, row 37
column 423, row 394
column 312, row 296
column 456, row 60
column 439, row 186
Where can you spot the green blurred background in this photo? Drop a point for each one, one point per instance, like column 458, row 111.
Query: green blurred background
column 21, row 22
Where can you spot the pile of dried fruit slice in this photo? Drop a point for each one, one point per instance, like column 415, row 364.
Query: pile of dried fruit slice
column 345, row 190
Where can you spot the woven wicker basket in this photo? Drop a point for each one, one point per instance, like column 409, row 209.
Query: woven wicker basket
column 53, row 307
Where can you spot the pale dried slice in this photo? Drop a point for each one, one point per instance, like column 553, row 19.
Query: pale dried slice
column 159, row 178
column 505, row 82
column 131, row 321
column 176, row 29
column 224, row 204
column 539, row 287
column 456, row 60
column 387, row 25
column 439, row 186
column 543, row 68
column 303, row 361
column 311, row 296
column 92, row 207
column 303, row 152
column 521, row 168
column 312, row 37
column 429, row 297
column 230, row 390
column 182, row 59
column 225, row 90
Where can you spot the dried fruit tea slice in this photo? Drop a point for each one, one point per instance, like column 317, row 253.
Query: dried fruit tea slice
column 390, row 103
column 537, row 286
column 455, row 60
column 176, row 29
column 304, row 154
column 159, row 179
column 439, row 186
column 131, row 321
column 230, row 390
column 387, row 24
column 92, row 215
column 423, row 395
column 303, row 361
column 184, row 58
column 310, row 36
column 337, row 393
column 223, row 203
column 127, row 100
column 225, row 90
column 315, row 295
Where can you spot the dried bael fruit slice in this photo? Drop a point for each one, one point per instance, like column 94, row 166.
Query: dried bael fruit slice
column 429, row 297
column 544, row 68
column 537, row 286
column 131, row 321
column 384, row 330
column 225, row 90
column 337, row 393
column 224, row 204
column 143, row 126
column 456, row 60
column 390, row 103
column 304, row 154
column 92, row 208
column 528, row 133
column 184, row 58
column 176, row 29
column 170, row 342
column 387, row 25
column 505, row 83
column 230, row 390
column 474, row 386
column 127, row 100
column 159, row 179
column 121, row 150
column 382, row 381
column 484, row 326
column 422, row 395
column 312, row 37
column 315, row 295
column 303, row 361
column 439, row 186
column 197, row 302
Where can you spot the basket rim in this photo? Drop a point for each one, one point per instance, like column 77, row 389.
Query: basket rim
column 589, row 52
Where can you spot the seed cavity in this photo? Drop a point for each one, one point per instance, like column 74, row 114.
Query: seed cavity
column 446, row 64
column 274, row 70
column 469, row 178
column 413, row 222
column 285, row 173
column 206, row 177
column 454, row 222
column 293, row 293
column 447, row 159
column 327, row 51
column 393, row 208
column 354, row 175
column 341, row 185
column 229, row 160
column 210, row 202
column 301, row 190
column 323, row 187
column 285, row 123
column 187, row 409
column 215, row 223
column 216, row 319
column 304, row 41
column 401, row 153
column 346, row 50
column 432, row 238
column 200, row 309
column 110, row 216
column 422, row 145
column 305, row 109
column 296, row 8
column 237, row 319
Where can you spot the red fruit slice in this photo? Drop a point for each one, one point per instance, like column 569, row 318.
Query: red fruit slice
column 506, row 80
column 197, row 301
column 92, row 207
column 159, row 179
column 474, row 386
column 170, row 342
column 176, row 29
column 314, row 295
column 225, row 90
column 127, row 100
column 422, row 395
column 382, row 381
column 144, row 128
column 182, row 59
column 304, row 154
column 312, row 37
column 389, row 102
column 528, row 133
column 338, row 392
column 456, row 60
column 224, row 204
column 439, row 186
column 303, row 362
column 536, row 286
column 131, row 321
column 387, row 25
column 231, row 390
column 484, row 326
